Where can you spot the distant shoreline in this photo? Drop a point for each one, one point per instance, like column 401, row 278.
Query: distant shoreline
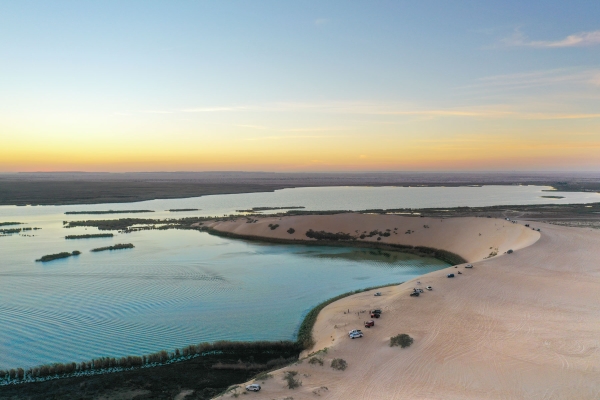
column 72, row 189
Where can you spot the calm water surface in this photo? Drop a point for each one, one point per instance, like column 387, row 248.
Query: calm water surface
column 181, row 287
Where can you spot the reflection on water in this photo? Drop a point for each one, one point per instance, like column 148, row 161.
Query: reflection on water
column 372, row 255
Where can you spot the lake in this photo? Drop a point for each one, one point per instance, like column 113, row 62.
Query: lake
column 182, row 287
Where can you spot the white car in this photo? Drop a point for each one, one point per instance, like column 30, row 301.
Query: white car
column 255, row 387
column 429, row 288
column 356, row 335
column 355, row 332
column 469, row 266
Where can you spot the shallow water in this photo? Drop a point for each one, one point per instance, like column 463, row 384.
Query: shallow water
column 182, row 287
column 175, row 288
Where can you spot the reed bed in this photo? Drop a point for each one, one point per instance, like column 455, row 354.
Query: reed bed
column 115, row 364
column 52, row 257
column 90, row 236
column 119, row 246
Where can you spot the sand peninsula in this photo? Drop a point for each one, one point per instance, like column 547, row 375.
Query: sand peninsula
column 520, row 325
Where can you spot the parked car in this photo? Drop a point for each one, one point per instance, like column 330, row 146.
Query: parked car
column 356, row 335
column 469, row 266
column 375, row 313
column 450, row 275
column 377, row 294
column 429, row 288
column 354, row 331
column 369, row 324
column 255, row 387
column 415, row 294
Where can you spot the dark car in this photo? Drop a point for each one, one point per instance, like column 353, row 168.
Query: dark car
column 415, row 294
column 450, row 275
column 369, row 324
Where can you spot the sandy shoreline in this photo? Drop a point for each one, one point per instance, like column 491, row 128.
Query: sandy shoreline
column 521, row 325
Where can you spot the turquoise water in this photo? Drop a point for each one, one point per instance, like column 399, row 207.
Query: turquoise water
column 175, row 288
column 181, row 287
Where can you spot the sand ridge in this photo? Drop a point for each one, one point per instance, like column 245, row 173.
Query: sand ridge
column 472, row 238
column 521, row 325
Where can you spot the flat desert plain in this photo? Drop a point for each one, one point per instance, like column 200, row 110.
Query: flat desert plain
column 524, row 325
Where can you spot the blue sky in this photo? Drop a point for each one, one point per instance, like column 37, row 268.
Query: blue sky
column 217, row 74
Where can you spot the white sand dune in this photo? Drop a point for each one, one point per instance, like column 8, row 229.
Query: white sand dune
column 518, row 326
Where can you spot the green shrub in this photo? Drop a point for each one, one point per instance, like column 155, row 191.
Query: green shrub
column 291, row 230
column 322, row 235
column 339, row 364
column 402, row 340
column 315, row 360
column 292, row 381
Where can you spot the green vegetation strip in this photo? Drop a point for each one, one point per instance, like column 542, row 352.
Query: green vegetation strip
column 91, row 236
column 51, row 257
column 115, row 247
column 128, row 223
column 108, row 212
column 220, row 364
column 343, row 239
column 183, row 209
column 10, row 223
column 17, row 230
column 10, row 231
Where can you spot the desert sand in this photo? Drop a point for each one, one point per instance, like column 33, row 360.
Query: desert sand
column 523, row 325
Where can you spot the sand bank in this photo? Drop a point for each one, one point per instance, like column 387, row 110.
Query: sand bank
column 521, row 325
column 471, row 238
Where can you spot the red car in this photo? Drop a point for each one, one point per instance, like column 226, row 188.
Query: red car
column 369, row 324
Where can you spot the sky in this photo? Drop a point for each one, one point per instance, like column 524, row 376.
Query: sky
column 299, row 85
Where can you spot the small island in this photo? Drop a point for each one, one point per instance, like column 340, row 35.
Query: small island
column 183, row 209
column 259, row 209
column 108, row 212
column 10, row 231
column 553, row 197
column 51, row 257
column 115, row 247
column 10, row 223
column 90, row 236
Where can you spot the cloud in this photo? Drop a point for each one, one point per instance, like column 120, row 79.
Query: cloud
column 566, row 78
column 582, row 39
